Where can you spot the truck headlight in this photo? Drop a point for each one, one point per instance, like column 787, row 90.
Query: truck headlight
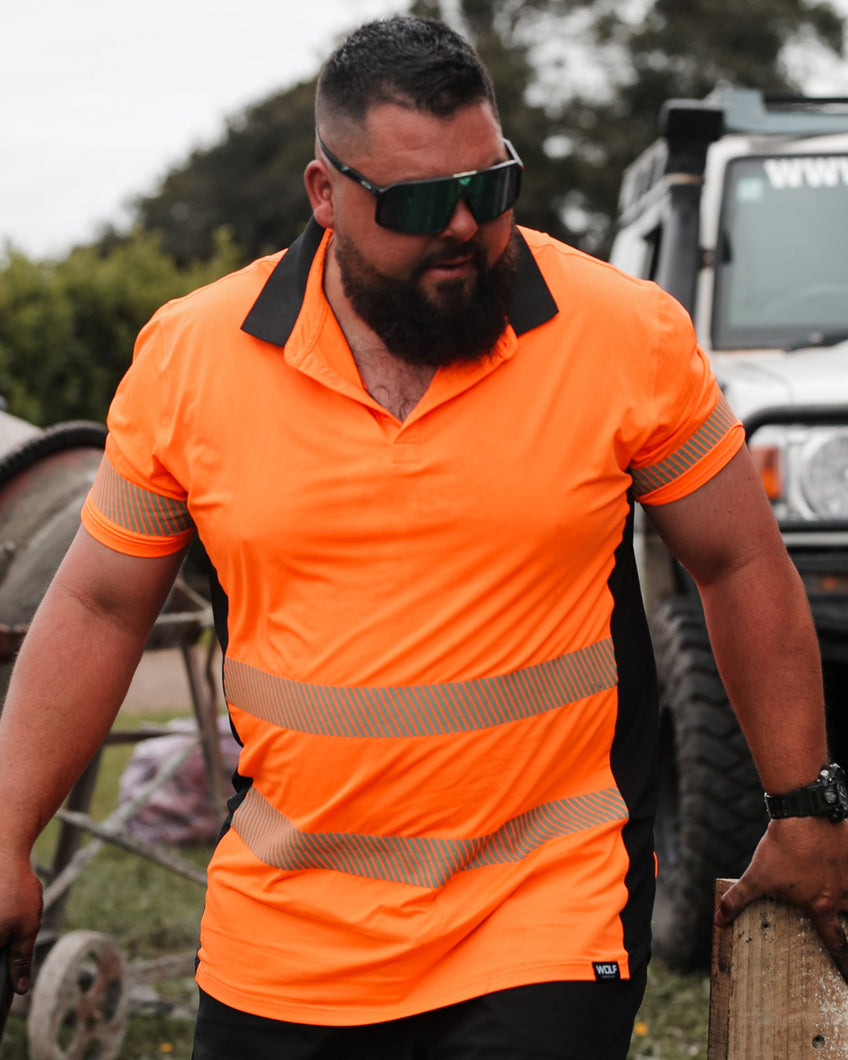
column 824, row 472
column 804, row 470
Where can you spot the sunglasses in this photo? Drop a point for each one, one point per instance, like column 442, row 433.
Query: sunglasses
column 423, row 207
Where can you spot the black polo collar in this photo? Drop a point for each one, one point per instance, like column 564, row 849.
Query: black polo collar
column 275, row 311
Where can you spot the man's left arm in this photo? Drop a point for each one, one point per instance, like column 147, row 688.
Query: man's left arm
column 767, row 653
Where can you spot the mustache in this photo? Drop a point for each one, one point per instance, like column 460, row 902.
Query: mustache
column 450, row 251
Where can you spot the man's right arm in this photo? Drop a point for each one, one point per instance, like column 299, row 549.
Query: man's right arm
column 71, row 676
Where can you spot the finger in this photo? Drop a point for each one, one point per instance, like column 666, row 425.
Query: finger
column 20, row 962
column 20, row 971
column 832, row 933
column 735, row 899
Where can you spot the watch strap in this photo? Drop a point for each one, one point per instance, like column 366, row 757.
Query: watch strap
column 825, row 797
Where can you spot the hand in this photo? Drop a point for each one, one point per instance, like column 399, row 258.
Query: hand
column 20, row 917
column 804, row 861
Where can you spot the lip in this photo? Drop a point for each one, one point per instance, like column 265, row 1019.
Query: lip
column 454, row 267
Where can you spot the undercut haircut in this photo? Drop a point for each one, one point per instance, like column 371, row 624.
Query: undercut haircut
column 420, row 63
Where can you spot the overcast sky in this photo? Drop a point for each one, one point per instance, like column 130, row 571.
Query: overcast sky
column 100, row 98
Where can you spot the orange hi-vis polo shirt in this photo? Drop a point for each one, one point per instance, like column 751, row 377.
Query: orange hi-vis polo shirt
column 436, row 658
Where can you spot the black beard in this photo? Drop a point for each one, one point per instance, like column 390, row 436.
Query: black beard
column 454, row 326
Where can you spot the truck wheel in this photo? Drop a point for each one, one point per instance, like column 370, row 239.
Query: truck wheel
column 710, row 813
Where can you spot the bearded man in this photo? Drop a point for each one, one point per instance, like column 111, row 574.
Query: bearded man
column 411, row 446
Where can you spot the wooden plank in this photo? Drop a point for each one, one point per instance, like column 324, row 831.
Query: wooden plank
column 775, row 992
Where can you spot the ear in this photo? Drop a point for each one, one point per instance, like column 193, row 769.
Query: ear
column 319, row 188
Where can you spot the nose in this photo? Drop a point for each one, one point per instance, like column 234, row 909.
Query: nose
column 461, row 225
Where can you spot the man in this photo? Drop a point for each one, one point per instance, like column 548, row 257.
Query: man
column 410, row 446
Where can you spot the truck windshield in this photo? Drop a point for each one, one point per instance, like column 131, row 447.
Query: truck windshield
column 781, row 264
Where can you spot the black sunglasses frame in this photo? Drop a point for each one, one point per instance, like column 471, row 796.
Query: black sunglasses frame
column 462, row 185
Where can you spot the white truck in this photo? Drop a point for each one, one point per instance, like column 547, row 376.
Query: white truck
column 740, row 210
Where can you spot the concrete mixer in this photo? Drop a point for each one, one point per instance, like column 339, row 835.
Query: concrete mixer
column 81, row 980
column 44, row 478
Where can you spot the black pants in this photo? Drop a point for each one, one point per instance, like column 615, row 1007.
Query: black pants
column 546, row 1021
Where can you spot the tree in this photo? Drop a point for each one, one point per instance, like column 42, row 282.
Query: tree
column 252, row 180
column 676, row 49
column 250, row 183
column 67, row 328
column 575, row 143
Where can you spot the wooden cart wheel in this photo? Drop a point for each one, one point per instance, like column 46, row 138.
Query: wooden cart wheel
column 79, row 1004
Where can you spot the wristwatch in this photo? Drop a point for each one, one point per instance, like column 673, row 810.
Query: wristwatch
column 827, row 796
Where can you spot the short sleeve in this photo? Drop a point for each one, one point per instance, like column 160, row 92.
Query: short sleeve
column 137, row 505
column 694, row 431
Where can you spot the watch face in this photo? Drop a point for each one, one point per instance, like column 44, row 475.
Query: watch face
column 836, row 794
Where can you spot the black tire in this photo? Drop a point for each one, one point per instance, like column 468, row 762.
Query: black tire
column 710, row 813
column 73, row 434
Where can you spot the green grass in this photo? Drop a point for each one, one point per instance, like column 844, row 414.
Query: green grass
column 151, row 912
column 147, row 909
column 674, row 1017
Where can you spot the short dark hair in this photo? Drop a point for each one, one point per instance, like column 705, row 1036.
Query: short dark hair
column 416, row 62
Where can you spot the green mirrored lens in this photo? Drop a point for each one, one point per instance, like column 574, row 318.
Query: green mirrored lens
column 493, row 192
column 426, row 206
column 423, row 207
column 419, row 207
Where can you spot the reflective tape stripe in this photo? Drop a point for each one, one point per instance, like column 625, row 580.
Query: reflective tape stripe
column 719, row 422
column 420, row 710
column 421, row 861
column 137, row 509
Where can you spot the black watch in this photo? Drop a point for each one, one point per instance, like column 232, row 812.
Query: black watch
column 827, row 796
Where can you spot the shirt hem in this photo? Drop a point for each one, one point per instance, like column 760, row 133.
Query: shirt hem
column 357, row 1015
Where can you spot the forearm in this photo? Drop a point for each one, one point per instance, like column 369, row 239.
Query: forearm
column 71, row 677
column 758, row 617
column 766, row 649
column 767, row 653
column 69, row 682
column 67, row 685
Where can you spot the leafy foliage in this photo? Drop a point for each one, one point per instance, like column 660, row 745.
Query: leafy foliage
column 676, row 49
column 574, row 142
column 251, row 183
column 67, row 327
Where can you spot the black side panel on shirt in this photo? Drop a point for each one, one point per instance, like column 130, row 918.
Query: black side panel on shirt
column 634, row 749
column 220, row 605
column 220, row 610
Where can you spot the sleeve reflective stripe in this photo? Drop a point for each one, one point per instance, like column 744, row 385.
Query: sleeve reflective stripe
column 715, row 427
column 135, row 509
